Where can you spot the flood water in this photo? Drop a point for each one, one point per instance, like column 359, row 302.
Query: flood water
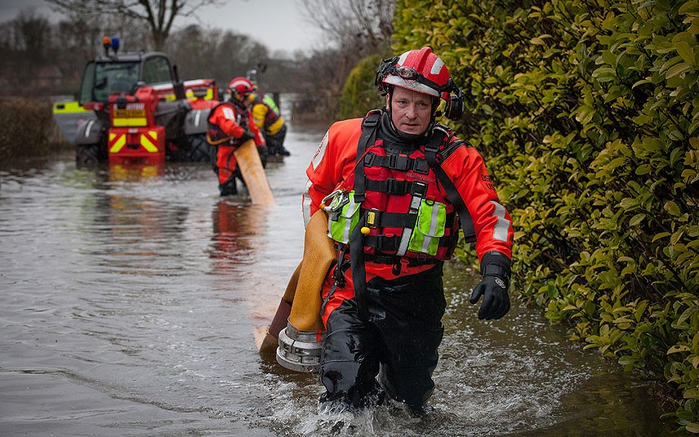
column 130, row 300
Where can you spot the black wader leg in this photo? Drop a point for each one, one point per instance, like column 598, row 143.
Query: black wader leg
column 407, row 312
column 228, row 188
column 349, row 361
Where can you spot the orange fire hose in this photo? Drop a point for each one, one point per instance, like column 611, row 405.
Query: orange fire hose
column 302, row 300
column 253, row 173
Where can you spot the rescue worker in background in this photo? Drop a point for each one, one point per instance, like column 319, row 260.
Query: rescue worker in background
column 396, row 186
column 230, row 127
column 266, row 115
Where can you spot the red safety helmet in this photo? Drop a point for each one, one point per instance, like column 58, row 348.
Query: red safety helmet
column 241, row 86
column 424, row 72
column 417, row 70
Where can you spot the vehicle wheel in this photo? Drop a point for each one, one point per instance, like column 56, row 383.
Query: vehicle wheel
column 199, row 149
column 87, row 154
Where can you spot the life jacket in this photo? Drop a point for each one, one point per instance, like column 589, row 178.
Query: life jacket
column 272, row 114
column 216, row 136
column 397, row 202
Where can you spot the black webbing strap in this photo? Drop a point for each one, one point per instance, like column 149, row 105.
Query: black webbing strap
column 431, row 149
column 386, row 243
column 390, row 186
column 378, row 219
column 356, row 243
column 394, row 162
column 397, row 162
column 392, row 260
column 368, row 137
column 418, row 193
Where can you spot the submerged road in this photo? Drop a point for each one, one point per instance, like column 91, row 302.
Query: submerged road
column 131, row 299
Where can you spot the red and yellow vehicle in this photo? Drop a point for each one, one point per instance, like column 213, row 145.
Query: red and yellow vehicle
column 133, row 108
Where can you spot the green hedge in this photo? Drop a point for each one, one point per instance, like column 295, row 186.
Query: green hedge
column 587, row 112
column 359, row 94
column 27, row 129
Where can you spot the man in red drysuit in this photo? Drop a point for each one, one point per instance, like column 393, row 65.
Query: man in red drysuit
column 229, row 127
column 396, row 186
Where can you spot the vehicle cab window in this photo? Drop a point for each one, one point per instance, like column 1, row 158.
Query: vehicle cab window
column 156, row 70
column 112, row 77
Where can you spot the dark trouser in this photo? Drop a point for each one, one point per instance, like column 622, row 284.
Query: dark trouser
column 226, row 167
column 275, row 143
column 397, row 340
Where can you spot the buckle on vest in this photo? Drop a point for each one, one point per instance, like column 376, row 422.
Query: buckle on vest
column 399, row 162
column 395, row 187
column 373, row 218
column 386, row 243
column 418, row 189
column 371, row 120
column 431, row 149
column 421, row 166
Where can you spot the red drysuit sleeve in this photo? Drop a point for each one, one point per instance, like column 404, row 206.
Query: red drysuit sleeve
column 225, row 117
column 332, row 164
column 491, row 221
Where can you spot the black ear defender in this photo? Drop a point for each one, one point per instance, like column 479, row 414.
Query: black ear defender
column 454, row 108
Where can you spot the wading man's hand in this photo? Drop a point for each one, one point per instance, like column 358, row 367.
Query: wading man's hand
column 493, row 287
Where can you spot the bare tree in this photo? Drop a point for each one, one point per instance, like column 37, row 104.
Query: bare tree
column 362, row 25
column 158, row 14
column 356, row 29
column 213, row 53
column 25, row 49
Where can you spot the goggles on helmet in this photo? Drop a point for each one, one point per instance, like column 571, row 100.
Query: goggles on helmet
column 407, row 73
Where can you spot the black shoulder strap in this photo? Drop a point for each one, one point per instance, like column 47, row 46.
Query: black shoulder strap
column 369, row 127
column 431, row 149
column 356, row 240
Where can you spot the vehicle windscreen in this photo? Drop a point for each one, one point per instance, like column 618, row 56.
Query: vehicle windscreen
column 114, row 77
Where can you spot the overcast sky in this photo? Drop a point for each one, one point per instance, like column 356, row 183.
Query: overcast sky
column 278, row 24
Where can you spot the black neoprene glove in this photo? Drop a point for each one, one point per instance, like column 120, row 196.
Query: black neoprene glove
column 247, row 135
column 495, row 268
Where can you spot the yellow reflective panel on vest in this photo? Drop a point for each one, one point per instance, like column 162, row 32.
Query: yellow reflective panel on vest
column 271, row 103
column 429, row 227
column 343, row 216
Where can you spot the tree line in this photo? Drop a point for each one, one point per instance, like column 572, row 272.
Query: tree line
column 39, row 58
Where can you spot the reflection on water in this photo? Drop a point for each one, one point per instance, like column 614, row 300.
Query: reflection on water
column 234, row 236
column 132, row 298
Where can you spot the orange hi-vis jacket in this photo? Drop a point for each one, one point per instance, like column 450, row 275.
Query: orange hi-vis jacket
column 333, row 167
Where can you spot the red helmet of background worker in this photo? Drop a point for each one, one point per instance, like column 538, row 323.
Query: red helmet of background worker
column 240, row 87
column 424, row 72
